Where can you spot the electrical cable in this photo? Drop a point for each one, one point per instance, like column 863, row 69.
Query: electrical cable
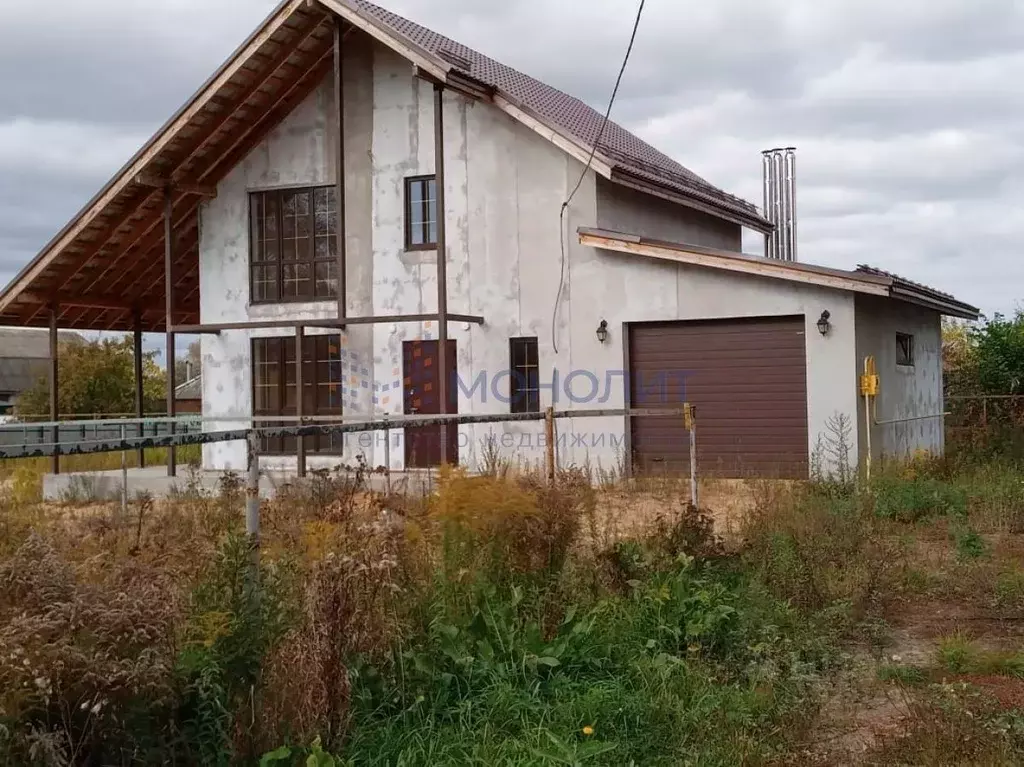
column 593, row 150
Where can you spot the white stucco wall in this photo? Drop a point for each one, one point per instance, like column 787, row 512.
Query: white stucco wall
column 621, row 209
column 504, row 188
column 904, row 392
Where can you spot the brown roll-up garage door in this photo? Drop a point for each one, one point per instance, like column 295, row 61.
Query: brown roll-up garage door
column 748, row 381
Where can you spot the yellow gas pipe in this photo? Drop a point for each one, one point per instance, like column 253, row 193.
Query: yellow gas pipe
column 869, row 384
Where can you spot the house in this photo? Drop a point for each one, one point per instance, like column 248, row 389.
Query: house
column 295, row 226
column 24, row 359
column 188, row 396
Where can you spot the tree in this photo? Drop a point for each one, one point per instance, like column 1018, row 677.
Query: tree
column 999, row 345
column 97, row 378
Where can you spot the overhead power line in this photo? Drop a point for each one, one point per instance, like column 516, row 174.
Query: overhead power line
column 562, row 235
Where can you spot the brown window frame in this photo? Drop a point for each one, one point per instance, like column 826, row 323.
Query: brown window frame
column 260, row 264
column 904, row 350
column 316, row 382
column 425, row 204
column 523, row 398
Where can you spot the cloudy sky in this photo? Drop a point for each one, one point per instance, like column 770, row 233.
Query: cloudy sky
column 908, row 115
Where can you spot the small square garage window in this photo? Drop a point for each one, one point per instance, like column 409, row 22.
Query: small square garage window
column 904, row 350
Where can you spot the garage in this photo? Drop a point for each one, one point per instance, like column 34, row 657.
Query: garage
column 748, row 380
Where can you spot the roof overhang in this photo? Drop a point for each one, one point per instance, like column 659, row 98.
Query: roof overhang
column 105, row 269
column 106, row 266
column 736, row 214
column 888, row 286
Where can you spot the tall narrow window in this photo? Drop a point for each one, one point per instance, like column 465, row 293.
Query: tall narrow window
column 525, row 390
column 274, row 390
column 904, row 350
column 293, row 245
column 420, row 213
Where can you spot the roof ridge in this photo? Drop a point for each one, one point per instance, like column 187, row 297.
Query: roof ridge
column 565, row 110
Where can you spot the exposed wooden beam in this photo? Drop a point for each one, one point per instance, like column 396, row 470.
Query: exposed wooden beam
column 149, row 153
column 150, row 265
column 213, row 127
column 150, row 226
column 79, row 302
column 275, row 113
column 401, row 45
column 146, row 179
column 143, row 239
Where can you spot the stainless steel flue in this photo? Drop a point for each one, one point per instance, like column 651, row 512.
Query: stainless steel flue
column 779, row 169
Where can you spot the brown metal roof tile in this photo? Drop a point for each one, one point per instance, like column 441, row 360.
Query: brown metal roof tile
column 631, row 154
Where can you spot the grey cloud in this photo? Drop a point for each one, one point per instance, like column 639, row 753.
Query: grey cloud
column 908, row 114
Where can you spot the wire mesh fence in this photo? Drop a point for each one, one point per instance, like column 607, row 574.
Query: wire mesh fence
column 988, row 423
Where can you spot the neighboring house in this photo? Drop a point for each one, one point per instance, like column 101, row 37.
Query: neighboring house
column 640, row 282
column 188, row 397
column 24, row 359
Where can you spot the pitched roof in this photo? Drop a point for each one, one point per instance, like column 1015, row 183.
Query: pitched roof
column 864, row 279
column 629, row 154
column 191, row 389
column 30, row 343
column 105, row 269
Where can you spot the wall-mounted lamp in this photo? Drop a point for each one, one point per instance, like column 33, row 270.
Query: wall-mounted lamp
column 824, row 326
column 602, row 331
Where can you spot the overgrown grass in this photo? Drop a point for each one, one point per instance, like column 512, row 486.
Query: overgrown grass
column 501, row 620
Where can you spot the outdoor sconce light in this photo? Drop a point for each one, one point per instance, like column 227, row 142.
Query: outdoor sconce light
column 602, row 331
column 824, row 326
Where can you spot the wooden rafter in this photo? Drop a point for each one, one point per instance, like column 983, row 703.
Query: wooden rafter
column 275, row 113
column 153, row 153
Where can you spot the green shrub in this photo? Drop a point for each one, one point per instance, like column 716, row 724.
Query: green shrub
column 235, row 620
column 969, row 545
column 915, row 498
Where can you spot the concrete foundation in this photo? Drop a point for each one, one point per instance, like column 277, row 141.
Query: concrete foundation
column 106, row 485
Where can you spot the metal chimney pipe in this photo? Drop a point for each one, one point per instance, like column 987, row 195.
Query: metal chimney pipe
column 792, row 202
column 783, row 206
column 766, row 184
column 779, row 186
column 776, row 171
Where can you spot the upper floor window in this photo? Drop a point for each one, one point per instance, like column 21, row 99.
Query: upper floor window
column 420, row 213
column 904, row 350
column 293, row 245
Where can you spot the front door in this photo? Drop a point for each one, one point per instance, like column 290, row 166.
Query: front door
column 421, row 387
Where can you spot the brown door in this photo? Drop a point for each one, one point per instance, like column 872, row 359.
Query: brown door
column 421, row 385
column 748, row 381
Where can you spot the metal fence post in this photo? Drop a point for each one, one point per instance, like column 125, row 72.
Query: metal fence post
column 124, row 478
column 387, row 456
column 252, row 498
column 549, row 434
column 690, row 419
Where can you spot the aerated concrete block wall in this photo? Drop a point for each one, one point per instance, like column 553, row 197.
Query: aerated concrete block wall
column 905, row 392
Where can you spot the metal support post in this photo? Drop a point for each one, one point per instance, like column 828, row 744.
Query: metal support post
column 339, row 167
column 690, row 418
column 139, row 399
column 549, row 434
column 172, row 455
column 54, row 386
column 300, row 443
column 442, row 268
